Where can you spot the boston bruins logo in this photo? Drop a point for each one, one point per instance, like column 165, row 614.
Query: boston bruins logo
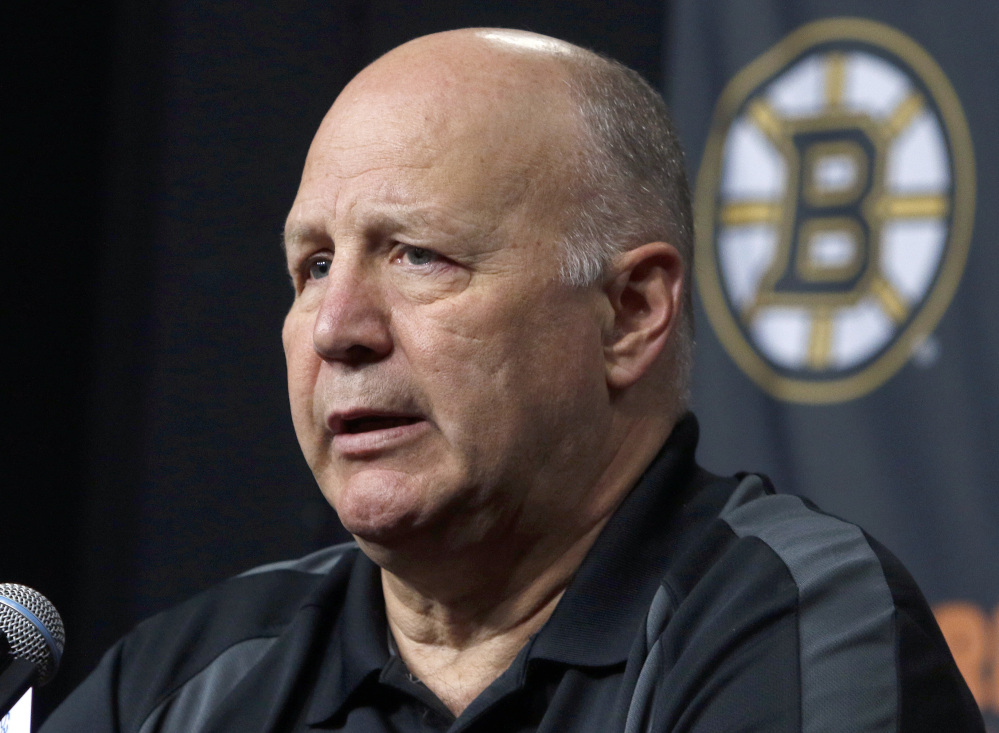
column 834, row 209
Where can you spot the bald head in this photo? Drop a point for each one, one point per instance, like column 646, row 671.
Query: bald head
column 474, row 64
column 499, row 97
column 477, row 52
column 574, row 140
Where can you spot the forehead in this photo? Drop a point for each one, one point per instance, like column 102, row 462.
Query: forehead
column 465, row 144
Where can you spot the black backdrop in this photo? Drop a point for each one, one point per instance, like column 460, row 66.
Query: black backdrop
column 151, row 150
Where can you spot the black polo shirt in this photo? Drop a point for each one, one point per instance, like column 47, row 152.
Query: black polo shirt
column 706, row 604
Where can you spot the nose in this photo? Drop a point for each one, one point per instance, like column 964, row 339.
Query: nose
column 352, row 325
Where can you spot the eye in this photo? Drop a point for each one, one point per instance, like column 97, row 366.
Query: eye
column 319, row 267
column 419, row 256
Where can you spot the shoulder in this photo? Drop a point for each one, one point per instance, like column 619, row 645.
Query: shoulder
column 760, row 535
column 174, row 662
column 816, row 550
column 779, row 602
column 317, row 563
column 256, row 603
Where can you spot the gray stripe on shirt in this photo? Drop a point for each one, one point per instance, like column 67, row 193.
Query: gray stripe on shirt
column 188, row 709
column 846, row 627
column 317, row 563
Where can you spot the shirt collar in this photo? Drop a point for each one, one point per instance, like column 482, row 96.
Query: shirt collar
column 358, row 646
column 597, row 620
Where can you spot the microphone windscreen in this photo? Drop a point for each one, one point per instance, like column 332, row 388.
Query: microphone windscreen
column 33, row 628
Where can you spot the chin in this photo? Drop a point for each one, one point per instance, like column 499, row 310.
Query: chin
column 381, row 531
column 378, row 507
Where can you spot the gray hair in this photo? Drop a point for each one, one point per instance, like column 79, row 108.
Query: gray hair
column 633, row 186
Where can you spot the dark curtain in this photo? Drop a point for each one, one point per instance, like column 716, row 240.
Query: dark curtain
column 905, row 439
column 151, row 152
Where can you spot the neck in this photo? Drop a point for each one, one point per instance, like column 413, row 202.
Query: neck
column 459, row 617
column 459, row 644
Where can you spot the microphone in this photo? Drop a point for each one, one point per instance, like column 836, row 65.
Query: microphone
column 32, row 638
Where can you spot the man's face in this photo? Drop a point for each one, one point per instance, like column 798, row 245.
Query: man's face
column 443, row 381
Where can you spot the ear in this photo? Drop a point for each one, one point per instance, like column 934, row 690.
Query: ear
column 646, row 295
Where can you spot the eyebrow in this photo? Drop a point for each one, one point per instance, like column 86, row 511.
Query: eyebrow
column 389, row 219
column 295, row 236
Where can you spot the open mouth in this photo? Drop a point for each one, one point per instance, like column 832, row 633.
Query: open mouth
column 369, row 423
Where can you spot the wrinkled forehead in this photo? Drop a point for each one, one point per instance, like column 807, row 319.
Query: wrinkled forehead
column 503, row 119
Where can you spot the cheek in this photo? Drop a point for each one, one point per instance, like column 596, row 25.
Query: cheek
column 454, row 347
column 498, row 360
column 303, row 366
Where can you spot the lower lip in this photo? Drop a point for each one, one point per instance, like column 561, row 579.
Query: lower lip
column 373, row 442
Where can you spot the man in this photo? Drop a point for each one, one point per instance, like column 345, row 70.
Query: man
column 488, row 355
